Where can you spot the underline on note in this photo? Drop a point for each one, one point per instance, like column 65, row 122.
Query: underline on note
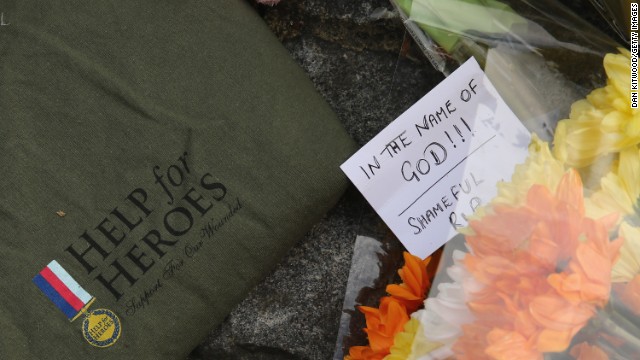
column 447, row 173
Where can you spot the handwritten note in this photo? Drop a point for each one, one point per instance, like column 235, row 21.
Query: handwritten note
column 434, row 165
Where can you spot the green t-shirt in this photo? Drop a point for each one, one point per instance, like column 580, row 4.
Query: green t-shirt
column 159, row 159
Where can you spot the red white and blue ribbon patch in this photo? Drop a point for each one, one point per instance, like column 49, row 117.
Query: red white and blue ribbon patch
column 56, row 283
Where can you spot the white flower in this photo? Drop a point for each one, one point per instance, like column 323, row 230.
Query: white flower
column 443, row 316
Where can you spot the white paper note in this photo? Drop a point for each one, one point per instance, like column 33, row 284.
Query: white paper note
column 434, row 165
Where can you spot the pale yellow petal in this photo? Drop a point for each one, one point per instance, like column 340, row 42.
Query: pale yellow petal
column 628, row 264
column 620, row 189
column 541, row 167
column 618, row 68
column 410, row 344
column 603, row 123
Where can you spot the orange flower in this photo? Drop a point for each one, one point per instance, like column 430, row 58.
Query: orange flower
column 382, row 326
column 416, row 281
column 558, row 321
column 545, row 269
column 509, row 345
column 384, row 323
column 585, row 280
column 499, row 228
column 471, row 343
column 630, row 295
column 389, row 319
column 584, row 351
column 364, row 353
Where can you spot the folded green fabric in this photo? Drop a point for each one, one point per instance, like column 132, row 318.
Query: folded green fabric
column 158, row 159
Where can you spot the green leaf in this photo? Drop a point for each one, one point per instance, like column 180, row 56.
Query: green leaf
column 446, row 21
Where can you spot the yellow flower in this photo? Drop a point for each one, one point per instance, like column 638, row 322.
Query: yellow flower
column 403, row 341
column 540, row 167
column 619, row 189
column 628, row 264
column 603, row 123
column 619, row 193
column 410, row 344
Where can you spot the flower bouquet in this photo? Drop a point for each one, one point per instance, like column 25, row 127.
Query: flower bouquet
column 550, row 268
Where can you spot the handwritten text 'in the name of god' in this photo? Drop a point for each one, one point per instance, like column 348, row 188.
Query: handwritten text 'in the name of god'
column 434, row 154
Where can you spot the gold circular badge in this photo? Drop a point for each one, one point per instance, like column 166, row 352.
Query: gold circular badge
column 101, row 328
